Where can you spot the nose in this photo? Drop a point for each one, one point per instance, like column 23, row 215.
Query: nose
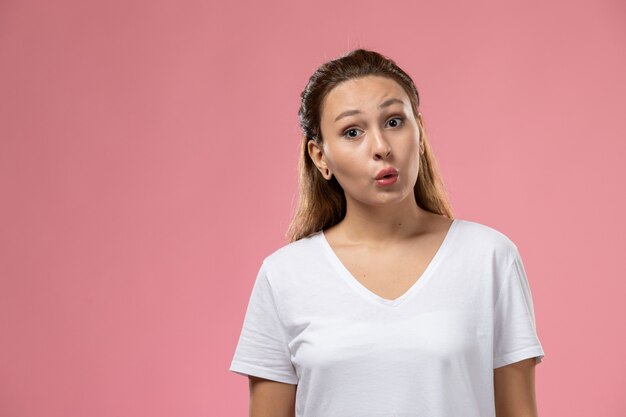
column 380, row 145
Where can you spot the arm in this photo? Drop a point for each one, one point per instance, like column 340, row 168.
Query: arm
column 514, row 389
column 271, row 398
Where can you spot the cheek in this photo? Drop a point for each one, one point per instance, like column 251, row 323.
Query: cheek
column 412, row 140
column 342, row 160
column 412, row 144
column 410, row 153
column 349, row 168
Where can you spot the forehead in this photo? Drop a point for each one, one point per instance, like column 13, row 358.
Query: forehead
column 362, row 93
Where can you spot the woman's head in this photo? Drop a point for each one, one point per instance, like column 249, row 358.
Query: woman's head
column 367, row 125
column 361, row 79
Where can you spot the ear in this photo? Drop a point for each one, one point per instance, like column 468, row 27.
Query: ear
column 319, row 159
column 420, row 122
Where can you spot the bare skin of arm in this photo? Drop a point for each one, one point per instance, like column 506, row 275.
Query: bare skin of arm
column 514, row 389
column 271, row 398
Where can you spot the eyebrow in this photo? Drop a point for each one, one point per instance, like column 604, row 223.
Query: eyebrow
column 385, row 103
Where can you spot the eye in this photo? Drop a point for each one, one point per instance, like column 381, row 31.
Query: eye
column 397, row 121
column 347, row 132
column 400, row 121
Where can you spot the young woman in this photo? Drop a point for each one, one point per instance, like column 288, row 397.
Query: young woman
column 383, row 304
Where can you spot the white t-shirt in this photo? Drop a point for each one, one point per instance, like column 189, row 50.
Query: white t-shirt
column 431, row 352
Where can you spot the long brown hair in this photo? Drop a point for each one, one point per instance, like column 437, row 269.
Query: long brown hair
column 322, row 203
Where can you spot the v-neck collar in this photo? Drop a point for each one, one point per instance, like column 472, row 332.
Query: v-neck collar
column 420, row 282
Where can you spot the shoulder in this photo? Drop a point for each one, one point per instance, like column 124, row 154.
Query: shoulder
column 481, row 239
column 294, row 255
column 296, row 269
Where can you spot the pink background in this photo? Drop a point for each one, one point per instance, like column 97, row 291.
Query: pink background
column 148, row 158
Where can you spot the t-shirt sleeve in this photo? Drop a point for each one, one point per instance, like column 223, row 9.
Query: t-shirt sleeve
column 262, row 350
column 515, row 336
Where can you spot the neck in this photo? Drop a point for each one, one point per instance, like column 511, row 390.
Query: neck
column 382, row 224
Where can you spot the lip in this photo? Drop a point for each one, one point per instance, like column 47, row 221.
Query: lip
column 385, row 181
column 386, row 171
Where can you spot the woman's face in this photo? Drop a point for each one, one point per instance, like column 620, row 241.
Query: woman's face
column 368, row 124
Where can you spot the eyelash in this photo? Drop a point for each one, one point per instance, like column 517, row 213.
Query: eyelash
column 353, row 128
